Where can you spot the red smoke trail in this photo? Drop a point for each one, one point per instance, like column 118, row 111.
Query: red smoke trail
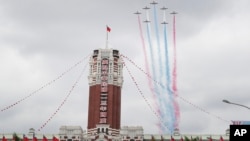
column 175, row 90
column 150, row 84
column 145, row 53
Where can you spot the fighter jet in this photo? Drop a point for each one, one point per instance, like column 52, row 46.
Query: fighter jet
column 146, row 21
column 174, row 13
column 146, row 8
column 137, row 13
column 164, row 8
column 164, row 22
column 154, row 2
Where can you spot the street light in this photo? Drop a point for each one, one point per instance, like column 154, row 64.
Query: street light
column 228, row 102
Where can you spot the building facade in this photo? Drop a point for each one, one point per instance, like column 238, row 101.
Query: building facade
column 71, row 133
column 105, row 83
column 127, row 133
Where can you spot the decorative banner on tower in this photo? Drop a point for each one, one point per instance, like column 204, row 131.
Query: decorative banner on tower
column 104, row 91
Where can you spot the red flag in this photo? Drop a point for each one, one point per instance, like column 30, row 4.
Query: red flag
column 200, row 138
column 108, row 29
column 4, row 139
column 34, row 138
column 210, row 139
column 44, row 138
column 54, row 139
column 181, row 139
column 221, row 139
column 172, row 139
column 25, row 138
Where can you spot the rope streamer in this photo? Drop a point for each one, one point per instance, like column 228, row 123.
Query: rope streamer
column 44, row 86
column 65, row 99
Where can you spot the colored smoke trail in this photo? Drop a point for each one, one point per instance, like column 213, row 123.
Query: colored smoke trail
column 161, row 101
column 145, row 53
column 167, row 109
column 167, row 61
column 175, row 90
column 145, row 99
column 180, row 97
column 150, row 84
column 156, row 87
column 164, row 105
column 168, row 84
column 158, row 43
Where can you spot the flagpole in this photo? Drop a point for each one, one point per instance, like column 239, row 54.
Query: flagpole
column 107, row 38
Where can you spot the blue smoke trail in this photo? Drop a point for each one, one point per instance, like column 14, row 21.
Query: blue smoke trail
column 158, row 42
column 167, row 108
column 151, row 50
column 155, row 86
column 168, row 84
column 161, row 101
column 170, row 92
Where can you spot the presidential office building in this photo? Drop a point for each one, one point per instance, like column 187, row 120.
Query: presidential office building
column 104, row 110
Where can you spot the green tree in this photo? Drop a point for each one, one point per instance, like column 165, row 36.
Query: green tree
column 192, row 139
column 16, row 138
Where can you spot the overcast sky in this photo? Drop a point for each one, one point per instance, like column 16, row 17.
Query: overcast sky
column 39, row 40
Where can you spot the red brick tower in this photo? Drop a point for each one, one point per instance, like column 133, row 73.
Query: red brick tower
column 105, row 82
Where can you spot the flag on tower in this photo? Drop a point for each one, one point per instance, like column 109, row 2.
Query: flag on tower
column 108, row 29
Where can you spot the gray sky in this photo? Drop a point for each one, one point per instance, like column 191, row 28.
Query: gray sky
column 39, row 40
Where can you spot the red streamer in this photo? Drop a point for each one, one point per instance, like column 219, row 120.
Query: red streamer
column 47, row 84
column 65, row 99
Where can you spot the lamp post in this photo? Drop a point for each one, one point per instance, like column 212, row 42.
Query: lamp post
column 228, row 102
